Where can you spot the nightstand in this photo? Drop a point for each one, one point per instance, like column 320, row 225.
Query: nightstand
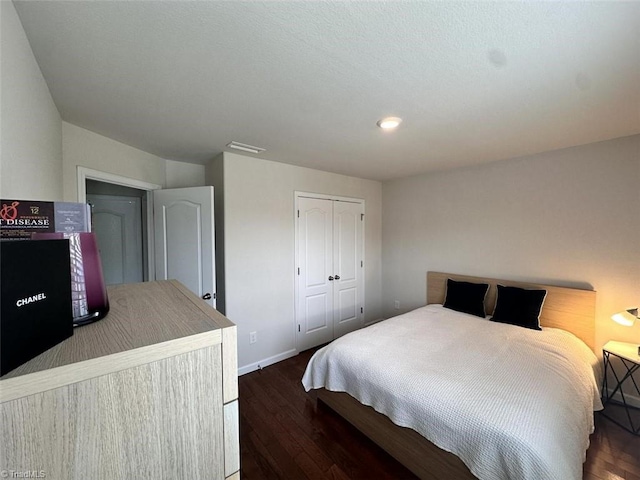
column 627, row 354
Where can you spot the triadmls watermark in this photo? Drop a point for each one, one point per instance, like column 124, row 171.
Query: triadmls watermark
column 23, row 474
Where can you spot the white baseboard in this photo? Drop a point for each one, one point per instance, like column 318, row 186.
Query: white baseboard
column 632, row 400
column 252, row 367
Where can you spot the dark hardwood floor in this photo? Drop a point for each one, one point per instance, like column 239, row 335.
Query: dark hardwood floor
column 284, row 435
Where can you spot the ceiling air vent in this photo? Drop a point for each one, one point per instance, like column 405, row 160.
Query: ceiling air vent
column 244, row 147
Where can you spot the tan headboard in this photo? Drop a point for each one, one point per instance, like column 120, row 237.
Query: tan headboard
column 571, row 309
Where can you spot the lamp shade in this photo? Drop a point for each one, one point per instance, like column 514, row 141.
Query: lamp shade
column 626, row 317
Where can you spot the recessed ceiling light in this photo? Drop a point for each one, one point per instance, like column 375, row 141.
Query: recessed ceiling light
column 244, row 147
column 389, row 122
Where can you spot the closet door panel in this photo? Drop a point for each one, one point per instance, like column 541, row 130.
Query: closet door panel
column 314, row 309
column 347, row 259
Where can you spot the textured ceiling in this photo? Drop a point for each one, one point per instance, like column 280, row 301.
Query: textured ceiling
column 474, row 82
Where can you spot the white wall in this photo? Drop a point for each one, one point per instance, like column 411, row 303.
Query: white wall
column 181, row 174
column 259, row 249
column 81, row 147
column 30, row 125
column 84, row 148
column 568, row 217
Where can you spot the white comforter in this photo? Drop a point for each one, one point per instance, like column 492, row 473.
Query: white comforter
column 510, row 402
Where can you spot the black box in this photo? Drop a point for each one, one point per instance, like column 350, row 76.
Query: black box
column 35, row 299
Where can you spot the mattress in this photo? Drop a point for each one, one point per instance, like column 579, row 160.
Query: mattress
column 508, row 401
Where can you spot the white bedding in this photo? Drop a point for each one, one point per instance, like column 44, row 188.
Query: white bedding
column 510, row 402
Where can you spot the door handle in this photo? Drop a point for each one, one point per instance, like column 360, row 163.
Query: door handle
column 337, row 277
column 331, row 279
column 206, row 296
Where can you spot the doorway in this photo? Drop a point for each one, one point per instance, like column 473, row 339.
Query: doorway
column 95, row 182
column 118, row 216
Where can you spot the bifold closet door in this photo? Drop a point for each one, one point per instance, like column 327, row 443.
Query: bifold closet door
column 329, row 271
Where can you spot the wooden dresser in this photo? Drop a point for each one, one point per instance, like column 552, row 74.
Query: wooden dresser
column 149, row 392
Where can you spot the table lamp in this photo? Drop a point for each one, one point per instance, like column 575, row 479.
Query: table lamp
column 627, row 318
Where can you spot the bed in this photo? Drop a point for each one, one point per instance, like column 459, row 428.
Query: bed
column 490, row 431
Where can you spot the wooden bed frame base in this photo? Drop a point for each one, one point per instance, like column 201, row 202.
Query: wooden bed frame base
column 567, row 308
column 405, row 445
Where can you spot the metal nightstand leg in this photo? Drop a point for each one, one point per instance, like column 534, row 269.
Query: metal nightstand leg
column 608, row 397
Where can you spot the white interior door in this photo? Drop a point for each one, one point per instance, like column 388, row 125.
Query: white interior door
column 347, row 260
column 117, row 223
column 330, row 280
column 314, row 310
column 184, row 239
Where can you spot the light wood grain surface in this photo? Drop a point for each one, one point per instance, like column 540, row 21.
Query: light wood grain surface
column 162, row 420
column 141, row 314
column 230, row 356
column 231, row 438
column 139, row 394
column 229, row 346
column 16, row 387
column 570, row 309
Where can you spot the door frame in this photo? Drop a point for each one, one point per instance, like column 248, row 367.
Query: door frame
column 323, row 196
column 84, row 174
